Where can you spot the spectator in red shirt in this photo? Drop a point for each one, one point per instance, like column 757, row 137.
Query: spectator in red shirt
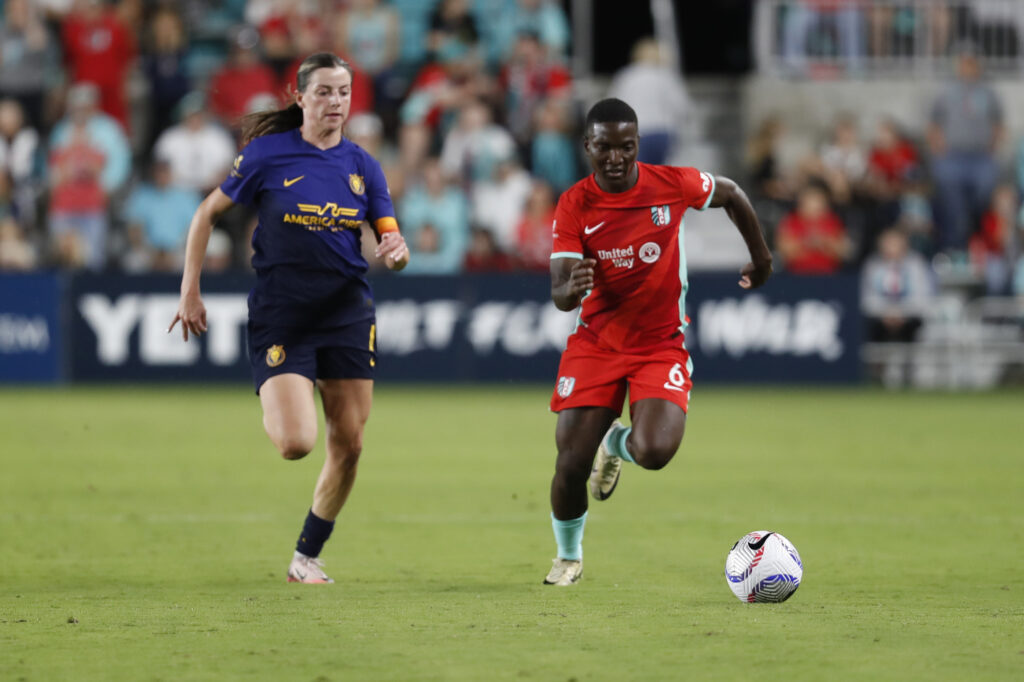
column 533, row 234
column 812, row 240
column 99, row 49
column 241, row 79
column 528, row 79
column 891, row 161
column 892, row 185
column 989, row 246
column 78, row 205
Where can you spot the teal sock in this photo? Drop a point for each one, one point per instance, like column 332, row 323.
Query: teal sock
column 569, row 536
column 616, row 442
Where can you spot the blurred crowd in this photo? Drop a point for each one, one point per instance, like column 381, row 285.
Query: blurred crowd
column 906, row 207
column 116, row 118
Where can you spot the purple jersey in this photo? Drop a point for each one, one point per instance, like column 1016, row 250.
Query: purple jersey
column 311, row 203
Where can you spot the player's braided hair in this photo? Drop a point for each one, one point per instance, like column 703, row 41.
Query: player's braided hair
column 262, row 123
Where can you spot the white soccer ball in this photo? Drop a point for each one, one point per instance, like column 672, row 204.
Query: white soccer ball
column 763, row 566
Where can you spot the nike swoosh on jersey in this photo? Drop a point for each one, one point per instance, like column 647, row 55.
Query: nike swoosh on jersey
column 590, row 230
column 289, row 183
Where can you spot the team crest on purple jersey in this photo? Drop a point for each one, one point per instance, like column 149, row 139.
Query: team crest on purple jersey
column 356, row 184
column 275, row 356
column 661, row 215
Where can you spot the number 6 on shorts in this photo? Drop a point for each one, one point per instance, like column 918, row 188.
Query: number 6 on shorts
column 676, row 377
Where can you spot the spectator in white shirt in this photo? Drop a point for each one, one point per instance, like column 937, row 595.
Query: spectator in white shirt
column 655, row 90
column 198, row 150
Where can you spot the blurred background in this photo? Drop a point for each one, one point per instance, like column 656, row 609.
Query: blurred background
column 881, row 141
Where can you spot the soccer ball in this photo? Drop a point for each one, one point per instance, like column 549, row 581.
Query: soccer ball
column 763, row 566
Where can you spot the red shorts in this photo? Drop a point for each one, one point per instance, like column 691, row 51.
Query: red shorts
column 589, row 376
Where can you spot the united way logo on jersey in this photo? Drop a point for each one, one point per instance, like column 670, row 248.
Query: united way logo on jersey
column 661, row 215
column 275, row 356
column 565, row 386
column 356, row 184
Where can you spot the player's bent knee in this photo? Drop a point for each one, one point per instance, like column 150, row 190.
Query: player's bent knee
column 295, row 447
column 653, row 454
column 656, row 460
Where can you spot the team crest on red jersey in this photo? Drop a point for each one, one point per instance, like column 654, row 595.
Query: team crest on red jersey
column 661, row 215
column 565, row 386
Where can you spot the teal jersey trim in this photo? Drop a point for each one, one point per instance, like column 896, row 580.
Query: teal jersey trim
column 683, row 280
column 579, row 315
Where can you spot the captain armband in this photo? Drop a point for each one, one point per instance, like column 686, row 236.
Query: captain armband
column 385, row 224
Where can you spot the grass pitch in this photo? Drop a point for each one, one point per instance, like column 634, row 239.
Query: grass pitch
column 145, row 533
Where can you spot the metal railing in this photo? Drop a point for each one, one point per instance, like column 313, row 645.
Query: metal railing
column 975, row 344
column 886, row 38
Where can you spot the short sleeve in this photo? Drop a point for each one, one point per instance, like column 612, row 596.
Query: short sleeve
column 245, row 179
column 380, row 210
column 565, row 231
column 698, row 187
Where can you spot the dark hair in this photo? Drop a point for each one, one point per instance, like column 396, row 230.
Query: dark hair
column 610, row 110
column 817, row 185
column 262, row 123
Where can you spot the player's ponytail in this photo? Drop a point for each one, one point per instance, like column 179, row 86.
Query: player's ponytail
column 262, row 123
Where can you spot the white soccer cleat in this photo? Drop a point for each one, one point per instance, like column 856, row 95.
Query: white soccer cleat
column 605, row 474
column 307, row 569
column 564, row 572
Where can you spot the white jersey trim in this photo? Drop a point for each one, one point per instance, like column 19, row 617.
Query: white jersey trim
column 711, row 194
column 567, row 254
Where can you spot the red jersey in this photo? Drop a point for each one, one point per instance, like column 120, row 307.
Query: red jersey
column 636, row 236
column 814, row 260
column 79, row 189
column 100, row 52
column 233, row 87
column 894, row 163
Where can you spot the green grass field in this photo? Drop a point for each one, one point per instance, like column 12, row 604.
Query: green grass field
column 145, row 532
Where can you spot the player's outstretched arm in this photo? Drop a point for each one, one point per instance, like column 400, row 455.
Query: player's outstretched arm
column 571, row 279
column 191, row 311
column 731, row 197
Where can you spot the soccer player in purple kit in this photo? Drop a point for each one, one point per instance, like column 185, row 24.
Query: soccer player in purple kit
column 311, row 312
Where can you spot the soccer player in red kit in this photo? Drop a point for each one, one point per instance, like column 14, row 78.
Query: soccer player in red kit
column 618, row 255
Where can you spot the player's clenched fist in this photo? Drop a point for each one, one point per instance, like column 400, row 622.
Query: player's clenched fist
column 581, row 277
column 755, row 274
